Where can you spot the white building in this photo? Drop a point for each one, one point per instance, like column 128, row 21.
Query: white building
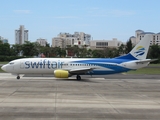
column 139, row 34
column 101, row 44
column 64, row 39
column 58, row 42
column 21, row 35
column 42, row 42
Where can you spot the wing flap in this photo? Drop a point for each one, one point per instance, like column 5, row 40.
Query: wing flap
column 80, row 70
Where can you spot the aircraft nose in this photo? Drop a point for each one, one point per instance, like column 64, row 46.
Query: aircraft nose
column 3, row 67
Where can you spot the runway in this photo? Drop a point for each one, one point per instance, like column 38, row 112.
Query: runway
column 115, row 97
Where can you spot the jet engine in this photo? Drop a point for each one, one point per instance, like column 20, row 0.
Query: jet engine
column 61, row 74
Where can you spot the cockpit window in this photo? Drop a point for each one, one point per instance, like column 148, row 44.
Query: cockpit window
column 11, row 63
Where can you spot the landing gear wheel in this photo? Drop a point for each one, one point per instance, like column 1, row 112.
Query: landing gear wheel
column 78, row 77
column 18, row 77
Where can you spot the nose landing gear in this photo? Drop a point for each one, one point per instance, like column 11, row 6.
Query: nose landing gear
column 18, row 77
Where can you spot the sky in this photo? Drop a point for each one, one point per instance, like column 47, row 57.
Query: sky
column 102, row 19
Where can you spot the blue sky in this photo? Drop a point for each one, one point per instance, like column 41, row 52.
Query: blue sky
column 103, row 19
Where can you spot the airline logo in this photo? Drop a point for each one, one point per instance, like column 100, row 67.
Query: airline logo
column 140, row 50
column 43, row 64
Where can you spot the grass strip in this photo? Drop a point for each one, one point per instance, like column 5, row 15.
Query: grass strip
column 145, row 71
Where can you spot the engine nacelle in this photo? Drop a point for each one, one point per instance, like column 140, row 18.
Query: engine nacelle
column 61, row 74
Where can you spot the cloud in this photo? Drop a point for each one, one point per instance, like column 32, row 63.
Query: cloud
column 94, row 8
column 86, row 25
column 22, row 11
column 99, row 12
column 120, row 13
column 82, row 25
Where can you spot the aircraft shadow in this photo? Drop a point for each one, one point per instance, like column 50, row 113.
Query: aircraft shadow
column 75, row 80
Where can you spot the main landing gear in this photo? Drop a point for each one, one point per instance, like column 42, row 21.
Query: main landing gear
column 78, row 77
column 18, row 77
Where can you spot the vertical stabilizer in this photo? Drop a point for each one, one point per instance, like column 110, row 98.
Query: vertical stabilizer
column 140, row 51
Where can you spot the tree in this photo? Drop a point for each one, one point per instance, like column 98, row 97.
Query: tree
column 89, row 53
column 76, row 50
column 128, row 46
column 106, row 52
column 73, row 51
column 30, row 49
column 83, row 52
column 154, row 52
column 113, row 52
column 121, row 49
column 5, row 49
column 63, row 52
column 47, row 45
column 97, row 54
column 16, row 49
column 1, row 42
column 57, row 52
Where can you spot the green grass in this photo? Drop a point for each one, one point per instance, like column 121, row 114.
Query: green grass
column 3, row 62
column 145, row 71
column 151, row 69
column 1, row 71
column 154, row 64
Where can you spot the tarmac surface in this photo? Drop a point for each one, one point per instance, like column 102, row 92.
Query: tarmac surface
column 115, row 97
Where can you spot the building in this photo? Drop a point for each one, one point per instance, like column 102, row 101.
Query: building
column 42, row 42
column 21, row 35
column 4, row 40
column 139, row 34
column 58, row 42
column 64, row 39
column 133, row 40
column 101, row 44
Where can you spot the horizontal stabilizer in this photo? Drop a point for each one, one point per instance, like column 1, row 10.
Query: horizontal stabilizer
column 146, row 60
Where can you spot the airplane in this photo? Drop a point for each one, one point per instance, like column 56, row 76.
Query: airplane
column 67, row 67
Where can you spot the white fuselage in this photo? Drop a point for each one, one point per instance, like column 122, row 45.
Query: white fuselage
column 48, row 65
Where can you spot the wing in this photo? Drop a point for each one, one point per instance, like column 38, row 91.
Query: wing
column 79, row 70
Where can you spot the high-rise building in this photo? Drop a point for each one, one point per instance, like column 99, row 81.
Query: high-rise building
column 21, row 35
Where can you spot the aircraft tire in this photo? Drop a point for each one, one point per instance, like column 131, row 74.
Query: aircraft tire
column 78, row 77
column 18, row 77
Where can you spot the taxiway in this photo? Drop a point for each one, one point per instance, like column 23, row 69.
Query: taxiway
column 111, row 98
